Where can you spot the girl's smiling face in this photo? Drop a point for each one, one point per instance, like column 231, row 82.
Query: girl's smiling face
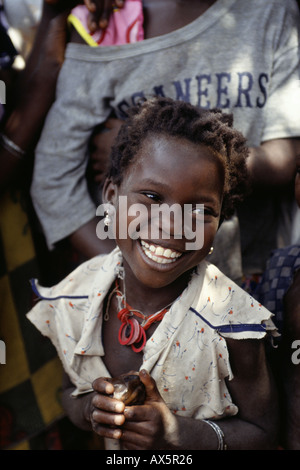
column 169, row 170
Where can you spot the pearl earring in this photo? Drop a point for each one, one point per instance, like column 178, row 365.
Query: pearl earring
column 211, row 250
column 108, row 214
column 107, row 219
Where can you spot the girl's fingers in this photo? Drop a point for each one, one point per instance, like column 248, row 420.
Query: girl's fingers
column 110, row 419
column 109, row 432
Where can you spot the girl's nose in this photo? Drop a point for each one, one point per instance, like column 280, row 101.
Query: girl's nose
column 167, row 221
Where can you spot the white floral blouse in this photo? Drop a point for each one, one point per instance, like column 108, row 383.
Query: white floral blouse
column 187, row 354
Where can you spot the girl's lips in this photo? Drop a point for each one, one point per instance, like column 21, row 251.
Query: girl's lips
column 159, row 254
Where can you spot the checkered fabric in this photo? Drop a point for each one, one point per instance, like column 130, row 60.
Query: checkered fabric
column 30, row 380
column 276, row 280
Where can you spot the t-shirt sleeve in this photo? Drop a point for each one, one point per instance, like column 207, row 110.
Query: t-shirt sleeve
column 282, row 111
column 59, row 188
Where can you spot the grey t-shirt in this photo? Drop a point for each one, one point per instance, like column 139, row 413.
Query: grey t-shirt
column 240, row 56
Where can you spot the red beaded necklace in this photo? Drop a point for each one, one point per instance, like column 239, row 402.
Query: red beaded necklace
column 131, row 332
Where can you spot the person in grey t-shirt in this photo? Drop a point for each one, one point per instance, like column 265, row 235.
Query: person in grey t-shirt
column 236, row 55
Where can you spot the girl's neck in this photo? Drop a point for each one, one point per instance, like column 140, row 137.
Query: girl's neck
column 147, row 299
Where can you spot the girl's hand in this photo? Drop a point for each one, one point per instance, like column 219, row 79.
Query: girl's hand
column 106, row 413
column 152, row 425
column 100, row 11
column 140, row 427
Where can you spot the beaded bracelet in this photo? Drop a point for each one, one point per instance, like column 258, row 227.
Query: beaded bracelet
column 219, row 433
column 11, row 147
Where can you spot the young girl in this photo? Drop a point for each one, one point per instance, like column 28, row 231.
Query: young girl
column 200, row 354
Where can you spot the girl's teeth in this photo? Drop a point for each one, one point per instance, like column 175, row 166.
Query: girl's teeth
column 159, row 254
column 159, row 251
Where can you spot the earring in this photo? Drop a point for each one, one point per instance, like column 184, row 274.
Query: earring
column 107, row 219
column 211, row 250
column 108, row 214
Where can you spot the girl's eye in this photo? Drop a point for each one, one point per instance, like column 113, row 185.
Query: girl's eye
column 153, row 196
column 199, row 211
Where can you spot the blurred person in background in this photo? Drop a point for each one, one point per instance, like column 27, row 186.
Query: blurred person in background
column 31, row 416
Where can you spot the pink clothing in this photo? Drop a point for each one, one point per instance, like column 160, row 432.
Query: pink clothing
column 125, row 25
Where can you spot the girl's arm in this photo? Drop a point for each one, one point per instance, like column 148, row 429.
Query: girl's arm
column 85, row 411
column 154, row 426
column 252, row 390
column 77, row 409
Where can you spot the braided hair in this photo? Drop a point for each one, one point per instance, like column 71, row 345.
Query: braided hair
column 164, row 116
